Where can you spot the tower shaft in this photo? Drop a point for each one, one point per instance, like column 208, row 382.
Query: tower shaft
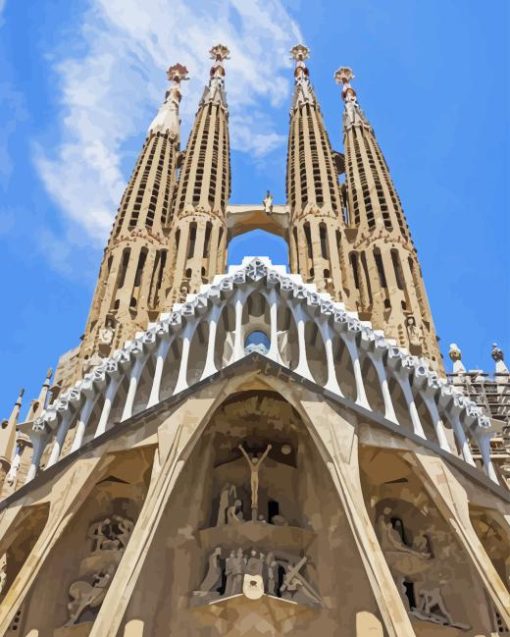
column 313, row 192
column 198, row 237
column 128, row 293
column 385, row 280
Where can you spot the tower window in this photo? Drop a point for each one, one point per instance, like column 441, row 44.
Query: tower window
column 323, row 233
column 380, row 268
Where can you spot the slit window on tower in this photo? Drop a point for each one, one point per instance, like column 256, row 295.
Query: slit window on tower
column 124, row 265
column 192, row 239
column 207, row 239
column 380, row 268
column 308, row 237
column 296, row 246
column 353, row 258
column 323, row 233
column 139, row 268
column 364, row 266
column 398, row 269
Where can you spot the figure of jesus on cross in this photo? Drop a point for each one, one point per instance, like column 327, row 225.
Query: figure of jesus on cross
column 254, row 462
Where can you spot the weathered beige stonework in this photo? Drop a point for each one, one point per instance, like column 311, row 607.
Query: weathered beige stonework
column 258, row 459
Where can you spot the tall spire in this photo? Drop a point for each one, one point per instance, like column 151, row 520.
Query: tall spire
column 198, row 242
column 128, row 293
column 167, row 119
column 8, row 431
column 385, row 281
column 313, row 191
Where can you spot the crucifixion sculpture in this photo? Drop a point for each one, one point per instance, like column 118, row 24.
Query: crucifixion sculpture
column 254, row 462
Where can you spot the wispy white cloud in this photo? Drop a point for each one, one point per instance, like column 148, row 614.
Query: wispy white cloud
column 109, row 93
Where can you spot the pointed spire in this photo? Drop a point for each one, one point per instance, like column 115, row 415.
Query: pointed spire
column 455, row 355
column 215, row 92
column 353, row 115
column 304, row 92
column 8, row 429
column 37, row 406
column 167, row 119
column 499, row 358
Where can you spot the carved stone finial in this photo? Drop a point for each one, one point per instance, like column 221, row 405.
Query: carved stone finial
column 177, row 73
column 300, row 52
column 344, row 75
column 455, row 354
column 219, row 52
column 49, row 373
column 497, row 353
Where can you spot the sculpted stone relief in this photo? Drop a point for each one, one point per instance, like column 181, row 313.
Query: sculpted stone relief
column 109, row 538
column 408, row 560
column 3, row 572
column 254, row 573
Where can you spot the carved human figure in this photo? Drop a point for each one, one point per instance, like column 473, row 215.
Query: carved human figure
column 431, row 605
column 95, row 533
column 227, row 496
column 391, row 537
column 267, row 202
column 254, row 463
column 212, row 579
column 413, row 331
column 234, row 513
column 271, row 574
column 237, row 571
column 123, row 530
column 85, row 595
column 255, row 563
column 295, row 586
column 3, row 572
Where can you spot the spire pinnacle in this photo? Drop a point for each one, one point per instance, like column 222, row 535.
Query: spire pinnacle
column 216, row 92
column 455, row 355
column 499, row 358
column 167, row 118
column 353, row 114
column 299, row 53
column 8, row 429
column 218, row 53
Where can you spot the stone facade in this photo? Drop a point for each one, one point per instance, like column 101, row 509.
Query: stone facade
column 256, row 452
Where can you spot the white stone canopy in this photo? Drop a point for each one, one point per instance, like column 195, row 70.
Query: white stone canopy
column 305, row 331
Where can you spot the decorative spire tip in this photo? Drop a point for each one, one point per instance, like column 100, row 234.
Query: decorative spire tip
column 455, row 353
column 497, row 353
column 300, row 53
column 177, row 73
column 344, row 75
column 220, row 52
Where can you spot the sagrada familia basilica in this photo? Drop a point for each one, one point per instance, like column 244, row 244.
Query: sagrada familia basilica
column 258, row 450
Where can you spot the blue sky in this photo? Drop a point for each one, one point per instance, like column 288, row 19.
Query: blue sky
column 80, row 82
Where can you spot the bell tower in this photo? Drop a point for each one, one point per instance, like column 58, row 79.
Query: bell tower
column 128, row 293
column 313, row 191
column 385, row 277
column 198, row 239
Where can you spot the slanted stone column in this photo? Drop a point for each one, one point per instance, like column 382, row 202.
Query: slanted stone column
column 451, row 499
column 174, row 435
column 340, row 445
column 76, row 484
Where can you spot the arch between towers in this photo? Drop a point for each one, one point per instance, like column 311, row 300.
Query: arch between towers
column 245, row 218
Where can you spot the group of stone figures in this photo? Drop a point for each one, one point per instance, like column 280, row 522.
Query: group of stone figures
column 255, row 574
column 108, row 536
column 426, row 604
